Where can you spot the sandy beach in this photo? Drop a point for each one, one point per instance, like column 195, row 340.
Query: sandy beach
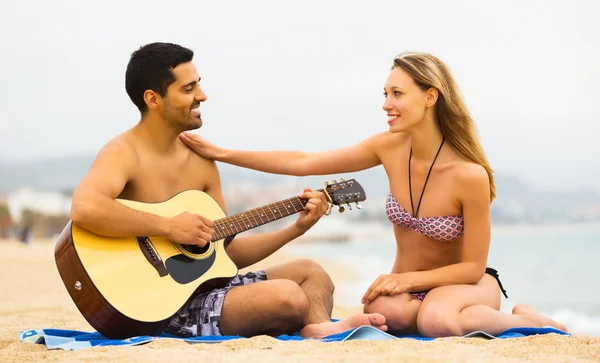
column 32, row 296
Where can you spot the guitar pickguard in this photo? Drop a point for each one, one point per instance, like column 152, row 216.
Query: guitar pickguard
column 185, row 270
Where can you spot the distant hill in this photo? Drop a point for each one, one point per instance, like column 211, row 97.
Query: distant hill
column 540, row 204
column 516, row 200
column 51, row 174
column 61, row 174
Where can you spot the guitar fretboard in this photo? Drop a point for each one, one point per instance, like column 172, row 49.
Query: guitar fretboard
column 229, row 226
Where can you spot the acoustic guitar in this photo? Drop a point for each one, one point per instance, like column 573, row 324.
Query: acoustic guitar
column 127, row 287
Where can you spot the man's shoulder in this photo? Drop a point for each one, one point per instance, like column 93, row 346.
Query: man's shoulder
column 121, row 147
column 202, row 170
column 199, row 161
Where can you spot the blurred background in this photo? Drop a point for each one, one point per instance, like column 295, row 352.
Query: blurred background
column 309, row 76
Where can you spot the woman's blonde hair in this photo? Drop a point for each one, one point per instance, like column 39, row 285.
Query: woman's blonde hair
column 452, row 115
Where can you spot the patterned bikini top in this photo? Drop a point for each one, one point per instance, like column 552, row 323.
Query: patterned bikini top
column 443, row 229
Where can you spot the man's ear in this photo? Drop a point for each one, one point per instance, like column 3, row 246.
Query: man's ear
column 152, row 99
column 431, row 96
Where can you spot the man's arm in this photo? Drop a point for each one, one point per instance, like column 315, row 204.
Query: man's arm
column 94, row 206
column 248, row 250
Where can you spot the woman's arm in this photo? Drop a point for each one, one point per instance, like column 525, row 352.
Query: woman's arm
column 350, row 159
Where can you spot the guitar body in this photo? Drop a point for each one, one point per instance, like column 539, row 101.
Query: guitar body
column 127, row 287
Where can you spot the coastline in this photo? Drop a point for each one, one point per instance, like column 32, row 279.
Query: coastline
column 540, row 229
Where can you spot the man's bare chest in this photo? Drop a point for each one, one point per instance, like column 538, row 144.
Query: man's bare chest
column 159, row 181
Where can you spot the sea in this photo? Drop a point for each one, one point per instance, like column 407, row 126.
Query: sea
column 554, row 269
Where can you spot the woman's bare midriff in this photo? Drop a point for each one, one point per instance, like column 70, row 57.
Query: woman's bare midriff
column 416, row 252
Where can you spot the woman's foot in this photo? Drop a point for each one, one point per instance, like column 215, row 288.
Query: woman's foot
column 537, row 318
column 324, row 329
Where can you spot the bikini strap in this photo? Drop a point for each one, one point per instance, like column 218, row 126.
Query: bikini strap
column 426, row 179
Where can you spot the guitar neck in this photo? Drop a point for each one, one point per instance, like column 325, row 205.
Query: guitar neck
column 237, row 223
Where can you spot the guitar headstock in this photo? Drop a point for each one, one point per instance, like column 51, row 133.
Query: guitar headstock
column 344, row 192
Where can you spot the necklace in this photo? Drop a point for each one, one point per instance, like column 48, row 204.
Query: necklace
column 415, row 214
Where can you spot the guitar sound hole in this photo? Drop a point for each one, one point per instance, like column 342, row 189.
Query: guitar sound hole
column 196, row 249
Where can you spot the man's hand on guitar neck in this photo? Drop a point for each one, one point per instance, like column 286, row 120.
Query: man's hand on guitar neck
column 190, row 229
column 315, row 208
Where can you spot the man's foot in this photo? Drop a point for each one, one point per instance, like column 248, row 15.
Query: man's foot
column 537, row 318
column 324, row 329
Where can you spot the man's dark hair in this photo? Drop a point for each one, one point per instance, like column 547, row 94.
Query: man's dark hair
column 151, row 67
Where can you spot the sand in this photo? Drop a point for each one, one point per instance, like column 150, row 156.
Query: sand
column 32, row 296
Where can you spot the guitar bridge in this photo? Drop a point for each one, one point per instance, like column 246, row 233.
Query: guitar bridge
column 152, row 256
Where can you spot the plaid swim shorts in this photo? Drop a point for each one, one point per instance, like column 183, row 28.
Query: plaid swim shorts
column 201, row 314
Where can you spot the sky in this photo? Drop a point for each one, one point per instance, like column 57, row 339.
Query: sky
column 309, row 75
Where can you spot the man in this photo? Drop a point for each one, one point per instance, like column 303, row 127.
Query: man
column 149, row 163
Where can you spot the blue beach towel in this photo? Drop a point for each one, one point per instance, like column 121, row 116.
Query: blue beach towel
column 77, row 340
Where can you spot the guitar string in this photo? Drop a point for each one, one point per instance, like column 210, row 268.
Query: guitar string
column 273, row 206
column 245, row 217
column 227, row 228
column 255, row 212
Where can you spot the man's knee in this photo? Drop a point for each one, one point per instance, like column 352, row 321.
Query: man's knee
column 270, row 307
column 289, row 300
column 316, row 271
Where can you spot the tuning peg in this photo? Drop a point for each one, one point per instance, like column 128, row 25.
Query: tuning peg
column 334, row 181
column 342, row 180
column 326, row 183
column 358, row 206
column 349, row 206
column 341, row 209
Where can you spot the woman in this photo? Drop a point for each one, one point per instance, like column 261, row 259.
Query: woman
column 441, row 188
